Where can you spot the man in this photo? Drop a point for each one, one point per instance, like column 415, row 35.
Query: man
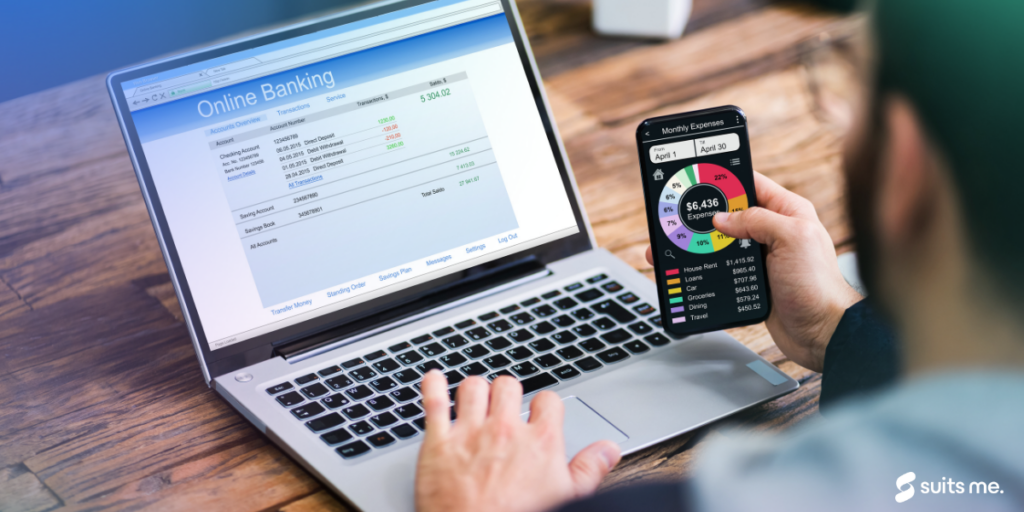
column 932, row 179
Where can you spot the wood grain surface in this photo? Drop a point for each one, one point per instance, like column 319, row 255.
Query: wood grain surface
column 103, row 404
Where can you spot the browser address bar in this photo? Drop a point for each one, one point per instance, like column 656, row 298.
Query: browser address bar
column 352, row 42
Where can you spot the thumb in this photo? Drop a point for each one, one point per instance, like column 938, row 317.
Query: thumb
column 592, row 464
column 764, row 226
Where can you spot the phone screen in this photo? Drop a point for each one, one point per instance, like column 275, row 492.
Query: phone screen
column 695, row 165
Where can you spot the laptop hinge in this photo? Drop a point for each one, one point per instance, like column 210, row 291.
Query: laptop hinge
column 489, row 283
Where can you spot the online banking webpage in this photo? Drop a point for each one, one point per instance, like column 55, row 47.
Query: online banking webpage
column 415, row 149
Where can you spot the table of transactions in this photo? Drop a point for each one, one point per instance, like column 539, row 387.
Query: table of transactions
column 340, row 194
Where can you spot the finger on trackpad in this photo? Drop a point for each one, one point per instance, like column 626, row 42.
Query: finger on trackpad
column 584, row 426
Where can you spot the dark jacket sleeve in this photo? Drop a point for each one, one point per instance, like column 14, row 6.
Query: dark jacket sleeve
column 862, row 356
column 661, row 497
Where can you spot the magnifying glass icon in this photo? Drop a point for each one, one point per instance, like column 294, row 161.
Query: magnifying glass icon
column 669, row 254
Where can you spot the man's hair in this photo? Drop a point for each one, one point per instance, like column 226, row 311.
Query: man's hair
column 961, row 64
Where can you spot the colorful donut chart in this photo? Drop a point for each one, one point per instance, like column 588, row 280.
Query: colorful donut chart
column 670, row 213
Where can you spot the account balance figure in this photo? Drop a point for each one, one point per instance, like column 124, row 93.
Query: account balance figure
column 932, row 170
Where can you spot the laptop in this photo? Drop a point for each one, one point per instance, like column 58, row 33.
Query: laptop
column 346, row 203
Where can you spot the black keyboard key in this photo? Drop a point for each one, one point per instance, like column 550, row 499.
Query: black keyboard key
column 611, row 287
column 352, row 450
column 583, row 314
column 520, row 336
column 335, row 401
column 614, row 310
column 499, row 343
column 308, row 411
column 636, row 347
column 315, row 391
column 430, row 365
column 566, row 372
column 325, row 422
column 584, row 330
column 384, row 419
column 547, row 361
column 644, row 309
column 454, row 377
column 564, row 337
column 355, row 411
column 443, row 332
column 404, row 394
column 338, row 436
column 273, row 390
column 404, row 431
column 641, row 328
column 592, row 345
column 550, row 295
column 508, row 309
column 604, row 323
column 465, row 323
column 529, row 302
column 477, row 351
column 387, row 365
column 363, row 374
column 451, row 397
column 432, row 349
column 544, row 310
column 352, row 363
column 543, row 328
column 384, row 385
column 456, row 341
column 613, row 355
column 588, row 364
column 408, row 411
column 330, row 370
column 410, row 358
column 525, row 368
column 565, row 303
column 290, row 399
column 655, row 321
column 421, row 423
column 563, row 321
column 497, row 361
column 339, row 382
column 361, row 428
column 569, row 353
column 542, row 345
column 537, row 383
column 616, row 336
column 394, row 349
column 419, row 340
column 522, row 318
column 628, row 298
column 657, row 339
column 573, row 287
column 373, row 356
column 452, row 360
column 406, row 376
column 596, row 278
column 306, row 379
column 478, row 334
column 500, row 325
column 359, row 392
column 589, row 295
column 519, row 353
column 488, row 316
column 497, row 374
column 474, row 369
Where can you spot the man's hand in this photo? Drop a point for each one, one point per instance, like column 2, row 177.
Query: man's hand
column 809, row 294
column 490, row 459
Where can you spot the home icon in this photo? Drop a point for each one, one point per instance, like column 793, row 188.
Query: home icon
column 658, row 175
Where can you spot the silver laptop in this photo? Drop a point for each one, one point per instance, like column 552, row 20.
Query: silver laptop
column 347, row 203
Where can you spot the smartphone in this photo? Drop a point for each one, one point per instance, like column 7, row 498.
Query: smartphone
column 693, row 166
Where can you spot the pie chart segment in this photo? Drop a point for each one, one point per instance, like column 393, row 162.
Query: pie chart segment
column 670, row 215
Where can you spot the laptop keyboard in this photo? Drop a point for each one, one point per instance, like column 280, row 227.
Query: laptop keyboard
column 374, row 401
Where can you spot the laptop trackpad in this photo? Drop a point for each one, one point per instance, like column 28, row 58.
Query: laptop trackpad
column 584, row 426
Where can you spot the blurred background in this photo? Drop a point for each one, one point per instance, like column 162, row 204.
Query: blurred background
column 46, row 44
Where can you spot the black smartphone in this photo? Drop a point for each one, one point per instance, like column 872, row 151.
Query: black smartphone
column 693, row 166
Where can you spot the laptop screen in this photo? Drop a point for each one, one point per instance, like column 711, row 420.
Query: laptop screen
column 305, row 176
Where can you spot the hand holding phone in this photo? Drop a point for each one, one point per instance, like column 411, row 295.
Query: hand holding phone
column 693, row 166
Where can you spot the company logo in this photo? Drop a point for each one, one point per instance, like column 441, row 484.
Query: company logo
column 906, row 480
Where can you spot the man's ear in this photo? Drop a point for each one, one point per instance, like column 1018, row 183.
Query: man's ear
column 907, row 174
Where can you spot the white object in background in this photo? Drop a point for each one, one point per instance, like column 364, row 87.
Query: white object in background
column 848, row 267
column 662, row 19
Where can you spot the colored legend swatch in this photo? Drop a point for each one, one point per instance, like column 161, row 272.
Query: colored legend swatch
column 679, row 319
column 672, row 272
column 679, row 309
column 672, row 281
column 676, row 300
column 673, row 291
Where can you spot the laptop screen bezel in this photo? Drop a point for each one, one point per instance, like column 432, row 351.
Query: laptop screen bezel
column 261, row 347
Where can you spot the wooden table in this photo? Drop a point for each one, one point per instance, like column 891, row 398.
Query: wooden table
column 102, row 405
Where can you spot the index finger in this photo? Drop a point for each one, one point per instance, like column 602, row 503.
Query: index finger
column 774, row 197
column 436, row 403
